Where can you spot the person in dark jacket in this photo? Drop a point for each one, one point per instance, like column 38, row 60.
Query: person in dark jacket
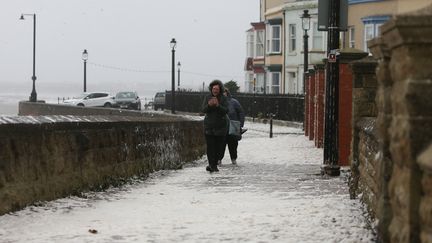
column 215, row 107
column 236, row 113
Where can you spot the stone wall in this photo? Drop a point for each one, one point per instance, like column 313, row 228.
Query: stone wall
column 49, row 157
column 401, row 198
column 368, row 166
column 365, row 180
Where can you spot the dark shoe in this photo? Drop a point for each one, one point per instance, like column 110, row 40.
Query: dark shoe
column 215, row 169
column 209, row 169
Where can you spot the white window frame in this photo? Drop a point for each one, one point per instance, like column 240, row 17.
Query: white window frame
column 259, row 43
column 317, row 37
column 292, row 36
column 272, row 47
column 273, row 82
column 369, row 34
column 351, row 37
column 259, row 85
column 250, row 44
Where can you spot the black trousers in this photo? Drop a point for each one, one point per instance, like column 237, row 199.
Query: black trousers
column 232, row 143
column 215, row 144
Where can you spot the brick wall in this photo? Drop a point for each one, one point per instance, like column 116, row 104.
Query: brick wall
column 319, row 105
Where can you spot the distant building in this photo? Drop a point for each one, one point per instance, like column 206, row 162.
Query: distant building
column 366, row 16
column 274, row 62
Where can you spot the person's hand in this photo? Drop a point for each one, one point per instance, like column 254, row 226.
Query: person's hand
column 213, row 101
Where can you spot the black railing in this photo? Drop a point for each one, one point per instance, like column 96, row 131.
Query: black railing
column 283, row 107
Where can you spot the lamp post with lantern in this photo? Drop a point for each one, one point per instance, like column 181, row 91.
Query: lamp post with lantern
column 305, row 26
column 173, row 45
column 178, row 76
column 85, row 58
column 33, row 95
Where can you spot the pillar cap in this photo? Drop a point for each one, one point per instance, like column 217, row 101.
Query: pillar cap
column 413, row 28
column 351, row 54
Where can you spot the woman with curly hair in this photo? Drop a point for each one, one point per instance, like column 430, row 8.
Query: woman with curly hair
column 215, row 107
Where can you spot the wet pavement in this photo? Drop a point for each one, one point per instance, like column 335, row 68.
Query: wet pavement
column 274, row 194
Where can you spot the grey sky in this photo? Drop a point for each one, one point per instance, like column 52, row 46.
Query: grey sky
column 130, row 34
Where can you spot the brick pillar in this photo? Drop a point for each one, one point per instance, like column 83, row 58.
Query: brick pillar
column 306, row 108
column 409, row 39
column 319, row 105
column 345, row 102
column 311, row 106
column 384, row 212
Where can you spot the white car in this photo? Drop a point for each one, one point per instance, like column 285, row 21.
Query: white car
column 93, row 99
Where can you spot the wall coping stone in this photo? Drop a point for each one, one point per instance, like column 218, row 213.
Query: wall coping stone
column 404, row 29
column 350, row 54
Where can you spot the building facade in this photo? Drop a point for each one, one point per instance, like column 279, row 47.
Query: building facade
column 275, row 56
column 366, row 16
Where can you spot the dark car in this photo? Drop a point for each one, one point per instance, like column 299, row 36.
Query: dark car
column 159, row 101
column 128, row 100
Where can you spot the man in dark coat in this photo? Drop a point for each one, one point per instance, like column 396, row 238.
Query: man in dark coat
column 216, row 122
column 235, row 113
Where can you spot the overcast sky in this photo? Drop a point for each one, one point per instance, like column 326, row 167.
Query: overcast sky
column 127, row 42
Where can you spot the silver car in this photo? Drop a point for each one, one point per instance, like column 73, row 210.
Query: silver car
column 93, row 99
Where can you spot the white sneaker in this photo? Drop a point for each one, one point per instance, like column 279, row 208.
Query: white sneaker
column 233, row 161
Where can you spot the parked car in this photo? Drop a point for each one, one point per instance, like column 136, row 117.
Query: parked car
column 128, row 100
column 159, row 101
column 93, row 99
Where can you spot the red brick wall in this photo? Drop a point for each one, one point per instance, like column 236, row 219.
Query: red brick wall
column 306, row 114
column 311, row 105
column 345, row 113
column 319, row 108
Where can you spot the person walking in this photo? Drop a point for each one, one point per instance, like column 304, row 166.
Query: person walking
column 216, row 122
column 236, row 113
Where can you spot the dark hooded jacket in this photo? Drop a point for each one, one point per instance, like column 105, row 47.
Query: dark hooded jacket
column 216, row 120
column 235, row 110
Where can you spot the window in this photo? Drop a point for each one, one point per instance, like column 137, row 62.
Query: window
column 351, row 39
column 371, row 27
column 317, row 37
column 273, row 82
column 292, row 83
column 259, row 85
column 369, row 33
column 250, row 44
column 292, row 37
column 259, row 49
column 274, row 39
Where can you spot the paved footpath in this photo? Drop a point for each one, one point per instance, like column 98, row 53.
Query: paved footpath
column 274, row 194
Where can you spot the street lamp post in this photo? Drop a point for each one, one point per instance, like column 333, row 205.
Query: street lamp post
column 178, row 75
column 173, row 45
column 305, row 26
column 33, row 95
column 85, row 58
